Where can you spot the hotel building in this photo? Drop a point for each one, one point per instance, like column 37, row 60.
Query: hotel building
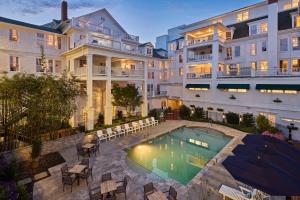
column 244, row 61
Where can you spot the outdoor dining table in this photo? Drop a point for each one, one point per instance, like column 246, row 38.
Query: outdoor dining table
column 108, row 186
column 157, row 195
column 88, row 147
column 77, row 169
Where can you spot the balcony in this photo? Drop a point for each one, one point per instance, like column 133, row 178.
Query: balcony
column 192, row 76
column 97, row 71
column 121, row 72
column 236, row 73
column 277, row 72
column 200, row 58
column 157, row 93
column 200, row 40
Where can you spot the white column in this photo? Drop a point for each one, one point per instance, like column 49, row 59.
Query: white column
column 273, row 34
column 108, row 109
column 215, row 53
column 72, row 65
column 145, row 96
column 89, row 86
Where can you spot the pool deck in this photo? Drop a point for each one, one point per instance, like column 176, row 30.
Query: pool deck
column 112, row 158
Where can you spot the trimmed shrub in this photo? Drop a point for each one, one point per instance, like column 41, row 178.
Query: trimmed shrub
column 232, row 118
column 248, row 120
column 155, row 113
column 262, row 123
column 198, row 114
column 184, row 112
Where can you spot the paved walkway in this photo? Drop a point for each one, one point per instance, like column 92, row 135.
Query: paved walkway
column 113, row 159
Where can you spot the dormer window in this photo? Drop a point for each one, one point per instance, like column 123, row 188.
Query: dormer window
column 13, row 35
column 243, row 16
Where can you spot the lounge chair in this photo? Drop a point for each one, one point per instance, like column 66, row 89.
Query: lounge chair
column 128, row 129
column 142, row 125
column 136, row 127
column 101, row 136
column 232, row 193
column 148, row 189
column 111, row 133
column 148, row 122
column 119, row 131
column 154, row 121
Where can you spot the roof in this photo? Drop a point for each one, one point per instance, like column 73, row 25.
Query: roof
column 157, row 55
column 28, row 25
column 145, row 44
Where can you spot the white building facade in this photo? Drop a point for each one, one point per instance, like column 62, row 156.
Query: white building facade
column 244, row 61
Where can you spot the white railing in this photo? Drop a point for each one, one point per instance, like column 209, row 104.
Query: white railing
column 81, row 71
column 200, row 40
column 277, row 72
column 99, row 70
column 198, row 76
column 121, row 72
column 198, row 58
column 242, row 72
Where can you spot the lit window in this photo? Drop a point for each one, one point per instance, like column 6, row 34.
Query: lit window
column 180, row 71
column 295, row 43
column 295, row 3
column 14, row 64
column 253, row 49
column 253, row 29
column 283, row 65
column 13, row 35
column 279, row 91
column 58, row 42
column 297, row 21
column 264, row 65
column 253, row 65
column 287, row 6
column 243, row 16
column 295, row 65
column 264, row 27
column 50, row 40
column 198, row 89
column 236, row 90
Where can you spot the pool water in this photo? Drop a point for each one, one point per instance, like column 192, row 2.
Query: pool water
column 180, row 154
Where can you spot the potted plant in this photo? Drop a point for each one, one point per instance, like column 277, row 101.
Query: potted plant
column 36, row 150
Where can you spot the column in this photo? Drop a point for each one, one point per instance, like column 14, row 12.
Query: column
column 89, row 86
column 272, row 34
column 108, row 109
column 145, row 96
column 215, row 53
column 72, row 65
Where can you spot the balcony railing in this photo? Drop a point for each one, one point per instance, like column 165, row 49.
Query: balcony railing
column 121, row 72
column 200, row 58
column 157, row 93
column 277, row 72
column 99, row 70
column 242, row 72
column 81, row 71
column 200, row 40
column 198, row 76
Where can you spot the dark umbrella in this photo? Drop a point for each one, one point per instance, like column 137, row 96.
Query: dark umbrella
column 260, row 175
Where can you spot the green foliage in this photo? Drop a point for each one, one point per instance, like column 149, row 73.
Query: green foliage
column 155, row 113
column 262, row 123
column 248, row 120
column 184, row 112
column 34, row 105
column 168, row 110
column 23, row 193
column 3, row 195
column 36, row 149
column 198, row 114
column 273, row 130
column 127, row 97
column 232, row 118
column 120, row 114
column 81, row 128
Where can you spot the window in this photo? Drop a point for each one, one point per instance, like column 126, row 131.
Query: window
column 253, row 49
column 296, row 65
column 253, row 65
column 13, row 35
column 283, row 66
column 295, row 43
column 264, row 27
column 149, row 51
column 279, row 91
column 236, row 90
column 49, row 67
column 290, row 4
column 264, row 65
column 253, row 29
column 283, row 44
column 58, row 66
column 264, row 46
column 243, row 16
column 297, row 21
column 50, row 40
column 150, row 75
column 58, row 42
column 180, row 71
column 14, row 64
column 229, row 53
column 40, row 38
column 180, row 59
column 38, row 64
column 237, row 51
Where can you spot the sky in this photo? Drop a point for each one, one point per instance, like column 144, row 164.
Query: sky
column 145, row 18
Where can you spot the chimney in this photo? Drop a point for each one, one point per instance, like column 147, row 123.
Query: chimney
column 64, row 10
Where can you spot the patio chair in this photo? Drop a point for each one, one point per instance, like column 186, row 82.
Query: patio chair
column 95, row 193
column 85, row 162
column 101, row 136
column 106, row 177
column 119, row 131
column 135, row 126
column 111, row 133
column 68, row 180
column 87, row 172
column 233, row 193
column 122, row 188
column 65, row 170
column 154, row 121
column 142, row 125
column 95, row 148
column 80, row 151
column 148, row 189
column 128, row 129
column 148, row 122
column 172, row 193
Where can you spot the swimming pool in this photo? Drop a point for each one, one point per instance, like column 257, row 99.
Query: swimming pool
column 180, row 154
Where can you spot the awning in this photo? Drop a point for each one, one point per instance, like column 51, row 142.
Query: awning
column 233, row 86
column 200, row 86
column 277, row 87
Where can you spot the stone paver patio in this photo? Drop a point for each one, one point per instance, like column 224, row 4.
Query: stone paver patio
column 113, row 159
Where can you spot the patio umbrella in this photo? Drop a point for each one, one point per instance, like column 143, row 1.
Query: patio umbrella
column 261, row 176
column 267, row 164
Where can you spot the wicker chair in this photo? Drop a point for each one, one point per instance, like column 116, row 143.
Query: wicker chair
column 148, row 189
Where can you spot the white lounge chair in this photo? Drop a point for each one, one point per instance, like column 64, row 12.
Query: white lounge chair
column 142, row 125
column 154, row 121
column 111, row 133
column 135, row 126
column 232, row 193
column 128, row 129
column 119, row 131
column 148, row 122
column 101, row 136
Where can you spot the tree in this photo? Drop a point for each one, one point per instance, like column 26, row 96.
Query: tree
column 184, row 112
column 198, row 114
column 263, row 123
column 232, row 118
column 127, row 97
